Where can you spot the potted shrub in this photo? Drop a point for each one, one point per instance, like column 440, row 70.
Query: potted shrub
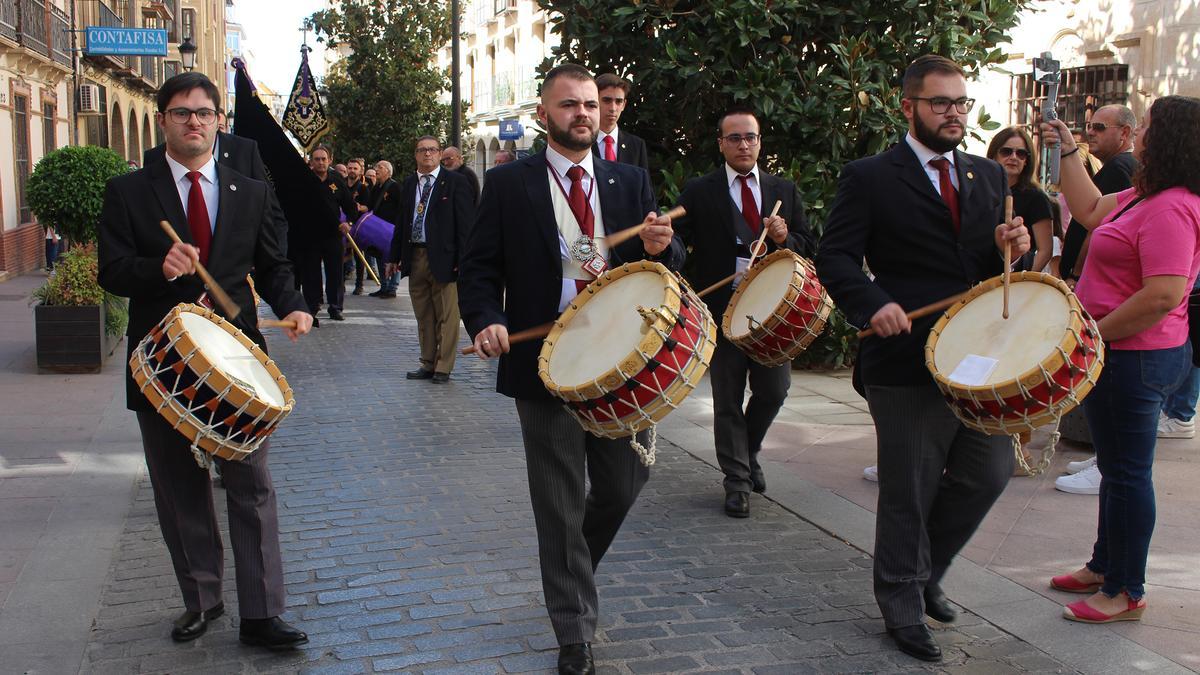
column 77, row 324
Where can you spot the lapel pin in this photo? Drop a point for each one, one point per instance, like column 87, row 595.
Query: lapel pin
column 225, row 155
column 970, row 176
column 233, row 187
column 611, row 181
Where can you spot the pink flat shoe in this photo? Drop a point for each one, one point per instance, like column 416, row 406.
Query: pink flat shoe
column 1085, row 613
column 1068, row 583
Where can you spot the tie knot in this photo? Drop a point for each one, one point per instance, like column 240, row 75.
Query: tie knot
column 745, row 179
column 193, row 176
column 575, row 173
column 941, row 164
column 608, row 140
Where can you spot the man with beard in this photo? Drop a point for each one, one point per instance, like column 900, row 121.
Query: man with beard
column 519, row 271
column 929, row 220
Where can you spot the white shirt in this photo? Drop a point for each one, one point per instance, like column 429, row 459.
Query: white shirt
column 208, row 185
column 735, row 187
column 924, row 154
column 600, row 136
column 420, row 184
column 557, row 172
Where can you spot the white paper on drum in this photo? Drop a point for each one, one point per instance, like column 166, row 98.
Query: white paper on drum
column 973, row 370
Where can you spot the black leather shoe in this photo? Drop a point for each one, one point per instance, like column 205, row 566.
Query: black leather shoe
column 737, row 504
column 386, row 294
column 191, row 625
column 419, row 374
column 575, row 659
column 358, row 290
column 937, row 605
column 917, row 641
column 376, row 294
column 316, row 321
column 440, row 378
column 336, row 314
column 273, row 633
column 758, row 480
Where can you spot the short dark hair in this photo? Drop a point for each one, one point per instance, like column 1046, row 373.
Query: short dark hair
column 184, row 83
column 914, row 75
column 571, row 70
column 610, row 80
column 328, row 151
column 427, row 137
column 737, row 110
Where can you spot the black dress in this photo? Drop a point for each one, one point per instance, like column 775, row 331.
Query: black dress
column 1032, row 205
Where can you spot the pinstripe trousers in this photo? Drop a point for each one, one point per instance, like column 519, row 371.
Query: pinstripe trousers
column 574, row 525
column 184, row 500
column 937, row 481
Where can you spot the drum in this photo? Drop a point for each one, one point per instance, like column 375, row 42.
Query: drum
column 777, row 310
column 628, row 350
column 1009, row 376
column 211, row 382
column 371, row 231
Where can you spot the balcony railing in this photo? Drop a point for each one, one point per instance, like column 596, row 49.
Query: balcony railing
column 99, row 14
column 503, row 90
column 60, row 36
column 32, row 25
column 8, row 19
column 149, row 68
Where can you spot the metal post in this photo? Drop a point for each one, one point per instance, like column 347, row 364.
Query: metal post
column 76, row 76
column 455, row 94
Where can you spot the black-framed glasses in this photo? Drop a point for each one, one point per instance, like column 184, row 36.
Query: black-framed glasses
column 1021, row 153
column 940, row 104
column 736, row 139
column 206, row 116
column 427, row 151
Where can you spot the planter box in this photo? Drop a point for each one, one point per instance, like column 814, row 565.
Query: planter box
column 71, row 339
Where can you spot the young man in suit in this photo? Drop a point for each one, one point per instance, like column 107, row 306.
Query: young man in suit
column 437, row 206
column 929, row 221
column 726, row 211
column 227, row 222
column 518, row 272
column 613, row 144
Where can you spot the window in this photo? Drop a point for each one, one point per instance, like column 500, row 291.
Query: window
column 173, row 25
column 189, row 25
column 1080, row 93
column 97, row 125
column 49, row 125
column 21, row 153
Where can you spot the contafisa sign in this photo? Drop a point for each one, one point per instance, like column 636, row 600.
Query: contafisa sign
column 126, row 41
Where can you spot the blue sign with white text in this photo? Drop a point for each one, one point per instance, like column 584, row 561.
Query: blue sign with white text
column 126, row 41
column 511, row 130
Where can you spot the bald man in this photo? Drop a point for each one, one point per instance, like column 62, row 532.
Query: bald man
column 452, row 159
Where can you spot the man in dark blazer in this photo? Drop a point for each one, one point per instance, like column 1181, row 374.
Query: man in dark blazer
column 727, row 211
column 226, row 220
column 323, row 237
column 452, row 159
column 517, row 273
column 613, row 144
column 437, row 207
column 929, row 221
column 385, row 204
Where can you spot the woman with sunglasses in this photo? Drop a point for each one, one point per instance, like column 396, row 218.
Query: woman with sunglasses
column 1145, row 255
column 1013, row 149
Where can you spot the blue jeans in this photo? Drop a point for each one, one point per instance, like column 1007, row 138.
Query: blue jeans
column 1122, row 414
column 1181, row 404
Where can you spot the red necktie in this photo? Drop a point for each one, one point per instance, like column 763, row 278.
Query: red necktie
column 582, row 210
column 610, row 152
column 949, row 195
column 749, row 208
column 197, row 215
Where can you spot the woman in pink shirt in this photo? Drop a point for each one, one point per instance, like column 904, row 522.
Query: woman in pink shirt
column 1144, row 256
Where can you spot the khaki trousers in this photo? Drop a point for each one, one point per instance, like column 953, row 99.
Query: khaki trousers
column 436, row 307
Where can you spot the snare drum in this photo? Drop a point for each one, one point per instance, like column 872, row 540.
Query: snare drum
column 628, row 350
column 372, row 232
column 211, row 382
column 1008, row 376
column 778, row 309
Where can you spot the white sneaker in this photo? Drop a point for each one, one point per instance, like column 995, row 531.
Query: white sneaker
column 1169, row 427
column 1086, row 482
column 871, row 473
column 1076, row 467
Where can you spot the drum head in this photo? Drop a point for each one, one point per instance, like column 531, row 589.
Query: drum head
column 762, row 295
column 606, row 329
column 1039, row 315
column 232, row 358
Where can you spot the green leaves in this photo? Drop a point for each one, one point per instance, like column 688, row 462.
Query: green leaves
column 66, row 189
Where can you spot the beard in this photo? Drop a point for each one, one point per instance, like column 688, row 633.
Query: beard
column 930, row 138
column 564, row 138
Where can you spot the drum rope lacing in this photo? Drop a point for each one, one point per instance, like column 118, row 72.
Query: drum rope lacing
column 775, row 355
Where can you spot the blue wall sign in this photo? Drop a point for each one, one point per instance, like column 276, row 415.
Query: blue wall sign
column 511, row 130
column 126, row 41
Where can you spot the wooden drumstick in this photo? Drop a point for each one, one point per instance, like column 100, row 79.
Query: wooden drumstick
column 276, row 323
column 918, row 313
column 218, row 294
column 758, row 246
column 1008, row 209
column 520, row 336
column 630, row 232
column 363, row 258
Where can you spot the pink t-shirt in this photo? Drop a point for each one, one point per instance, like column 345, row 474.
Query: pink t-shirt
column 1158, row 237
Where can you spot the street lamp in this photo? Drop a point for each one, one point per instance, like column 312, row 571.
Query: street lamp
column 187, row 54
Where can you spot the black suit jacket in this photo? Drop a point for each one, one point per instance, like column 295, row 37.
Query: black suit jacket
column 511, row 272
column 1116, row 175
column 710, row 229
column 448, row 218
column 630, row 150
column 133, row 245
column 888, row 212
column 385, row 200
column 472, row 178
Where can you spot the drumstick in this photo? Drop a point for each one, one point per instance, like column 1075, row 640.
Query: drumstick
column 520, row 336
column 758, row 245
column 1008, row 209
column 630, row 232
column 363, row 258
column 918, row 313
column 227, row 304
column 276, row 323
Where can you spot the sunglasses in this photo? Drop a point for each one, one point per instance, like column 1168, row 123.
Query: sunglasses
column 1099, row 127
column 1021, row 153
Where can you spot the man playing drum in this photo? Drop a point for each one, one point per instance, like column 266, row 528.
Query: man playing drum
column 924, row 216
column 226, row 220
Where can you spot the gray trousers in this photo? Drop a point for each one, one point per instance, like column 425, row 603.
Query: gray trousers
column 937, row 481
column 574, row 525
column 739, row 432
column 184, row 500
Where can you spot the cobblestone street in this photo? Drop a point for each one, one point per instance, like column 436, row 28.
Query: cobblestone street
column 409, row 545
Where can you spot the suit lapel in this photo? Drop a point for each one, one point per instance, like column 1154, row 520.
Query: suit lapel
column 722, row 202
column 168, row 197
column 768, row 188
column 608, row 184
column 228, row 202
column 913, row 174
column 537, row 187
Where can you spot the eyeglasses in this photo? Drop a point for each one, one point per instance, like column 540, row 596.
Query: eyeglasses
column 1099, row 127
column 1021, row 153
column 736, row 139
column 206, row 116
column 940, row 104
column 427, row 151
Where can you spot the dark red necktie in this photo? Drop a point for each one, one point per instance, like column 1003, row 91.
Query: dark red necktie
column 581, row 208
column 197, row 215
column 749, row 208
column 949, row 194
column 610, row 152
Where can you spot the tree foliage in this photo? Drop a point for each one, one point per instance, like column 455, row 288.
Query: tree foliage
column 385, row 93
column 66, row 189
